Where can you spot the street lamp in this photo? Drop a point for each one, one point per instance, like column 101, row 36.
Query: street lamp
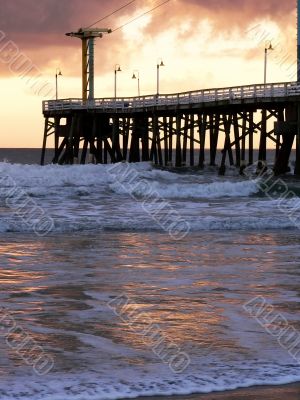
column 160, row 63
column 57, row 74
column 268, row 47
column 136, row 75
column 117, row 69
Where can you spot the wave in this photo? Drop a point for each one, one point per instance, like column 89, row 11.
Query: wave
column 141, row 179
column 30, row 176
column 103, row 197
column 144, row 223
column 122, row 384
column 188, row 191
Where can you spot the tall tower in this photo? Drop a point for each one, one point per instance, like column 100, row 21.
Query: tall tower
column 88, row 37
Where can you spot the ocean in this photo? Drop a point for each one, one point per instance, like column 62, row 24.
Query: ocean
column 120, row 281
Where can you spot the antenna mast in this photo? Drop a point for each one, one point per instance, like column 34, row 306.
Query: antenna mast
column 88, row 36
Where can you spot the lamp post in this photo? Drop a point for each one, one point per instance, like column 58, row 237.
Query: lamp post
column 57, row 74
column 136, row 75
column 160, row 63
column 117, row 69
column 268, row 47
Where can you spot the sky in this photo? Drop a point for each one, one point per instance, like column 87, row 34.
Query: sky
column 203, row 44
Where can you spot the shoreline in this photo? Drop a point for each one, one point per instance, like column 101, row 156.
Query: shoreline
column 274, row 392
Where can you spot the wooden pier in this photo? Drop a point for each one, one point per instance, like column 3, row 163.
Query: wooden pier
column 176, row 129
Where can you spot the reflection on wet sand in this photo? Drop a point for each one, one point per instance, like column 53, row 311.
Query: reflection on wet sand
column 59, row 290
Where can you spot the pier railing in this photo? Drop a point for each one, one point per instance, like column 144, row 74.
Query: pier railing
column 231, row 94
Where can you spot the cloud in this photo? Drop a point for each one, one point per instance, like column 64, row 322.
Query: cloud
column 38, row 27
column 226, row 15
column 246, row 10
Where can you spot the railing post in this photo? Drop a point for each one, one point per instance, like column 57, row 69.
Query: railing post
column 191, row 97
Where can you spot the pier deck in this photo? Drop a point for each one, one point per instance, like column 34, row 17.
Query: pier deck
column 154, row 127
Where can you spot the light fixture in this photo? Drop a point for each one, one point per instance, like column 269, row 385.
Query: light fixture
column 268, row 47
column 117, row 69
column 57, row 74
column 136, row 75
column 160, row 63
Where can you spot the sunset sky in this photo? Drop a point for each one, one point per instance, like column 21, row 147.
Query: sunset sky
column 215, row 43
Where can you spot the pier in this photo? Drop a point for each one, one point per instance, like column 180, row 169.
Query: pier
column 175, row 129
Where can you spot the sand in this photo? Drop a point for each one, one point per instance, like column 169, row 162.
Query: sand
column 283, row 392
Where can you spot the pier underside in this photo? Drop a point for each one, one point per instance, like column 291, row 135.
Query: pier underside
column 176, row 137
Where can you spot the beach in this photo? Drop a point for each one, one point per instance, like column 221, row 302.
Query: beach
column 287, row 392
column 123, row 301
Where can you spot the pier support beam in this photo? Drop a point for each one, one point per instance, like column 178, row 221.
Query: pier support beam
column 262, row 154
column 178, row 161
column 297, row 163
column 202, row 120
column 173, row 136
column 287, row 129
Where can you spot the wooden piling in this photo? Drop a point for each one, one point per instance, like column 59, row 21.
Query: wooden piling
column 192, row 136
column 178, row 161
column 170, row 134
column 202, row 119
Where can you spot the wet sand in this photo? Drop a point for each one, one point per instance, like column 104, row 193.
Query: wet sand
column 283, row 392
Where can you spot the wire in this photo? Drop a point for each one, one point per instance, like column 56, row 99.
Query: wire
column 141, row 15
column 114, row 12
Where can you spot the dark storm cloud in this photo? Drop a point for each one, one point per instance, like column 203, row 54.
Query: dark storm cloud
column 27, row 18
column 38, row 26
column 39, row 18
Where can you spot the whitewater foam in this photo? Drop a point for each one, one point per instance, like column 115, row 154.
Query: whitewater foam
column 190, row 191
column 95, row 197
column 131, row 384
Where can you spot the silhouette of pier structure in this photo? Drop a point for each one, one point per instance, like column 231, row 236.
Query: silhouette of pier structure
column 176, row 129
